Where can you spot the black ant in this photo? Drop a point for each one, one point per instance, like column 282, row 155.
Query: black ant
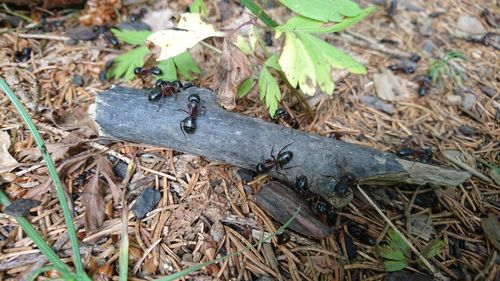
column 321, row 207
column 423, row 154
column 283, row 238
column 188, row 124
column 283, row 158
column 301, row 185
column 22, row 56
column 108, row 35
column 283, row 115
column 134, row 17
column 425, row 85
column 361, row 233
column 164, row 88
column 342, row 186
column 141, row 71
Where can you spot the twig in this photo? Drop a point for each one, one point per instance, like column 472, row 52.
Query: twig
column 431, row 268
column 43, row 37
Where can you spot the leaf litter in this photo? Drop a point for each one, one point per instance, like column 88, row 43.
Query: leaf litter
column 180, row 231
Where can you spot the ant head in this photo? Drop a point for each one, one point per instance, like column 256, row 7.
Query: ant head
column 159, row 83
column 280, row 112
column 187, row 85
column 138, row 70
column 350, row 177
column 194, row 98
column 176, row 83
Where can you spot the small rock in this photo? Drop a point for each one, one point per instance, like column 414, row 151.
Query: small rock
column 469, row 100
column 466, row 130
column 21, row 207
column 217, row 232
column 145, row 202
column 468, row 26
column 245, row 175
column 138, row 26
column 489, row 91
column 376, row 103
column 428, row 46
column 78, row 80
column 492, row 39
column 81, row 33
column 425, row 27
column 71, row 42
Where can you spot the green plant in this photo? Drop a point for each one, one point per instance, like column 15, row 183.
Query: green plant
column 444, row 67
column 397, row 254
column 123, row 65
column 27, row 227
column 305, row 62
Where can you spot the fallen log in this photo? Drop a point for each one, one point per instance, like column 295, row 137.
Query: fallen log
column 126, row 114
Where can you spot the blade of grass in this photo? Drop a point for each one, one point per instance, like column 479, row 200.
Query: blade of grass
column 123, row 258
column 193, row 268
column 37, row 239
column 53, row 174
column 256, row 10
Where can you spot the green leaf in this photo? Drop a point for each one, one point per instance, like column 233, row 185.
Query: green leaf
column 124, row 64
column 392, row 266
column 297, row 66
column 245, row 87
column 186, row 65
column 323, row 10
column 433, row 248
column 168, row 71
column 300, row 23
column 243, row 45
column 347, row 8
column 131, row 36
column 396, row 242
column 273, row 61
column 323, row 68
column 199, row 7
column 335, row 58
column 269, row 90
column 390, row 253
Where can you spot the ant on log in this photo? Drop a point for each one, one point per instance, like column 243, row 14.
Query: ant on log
column 188, row 124
column 166, row 88
column 278, row 161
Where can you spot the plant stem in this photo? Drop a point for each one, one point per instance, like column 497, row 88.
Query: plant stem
column 21, row 16
column 37, row 239
column 61, row 195
column 258, row 11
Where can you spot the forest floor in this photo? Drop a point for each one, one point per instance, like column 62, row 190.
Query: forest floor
column 206, row 211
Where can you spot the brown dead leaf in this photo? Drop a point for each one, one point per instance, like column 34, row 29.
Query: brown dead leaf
column 7, row 162
column 106, row 169
column 491, row 228
column 100, row 12
column 231, row 71
column 79, row 118
column 150, row 266
column 68, row 146
column 324, row 264
column 93, row 201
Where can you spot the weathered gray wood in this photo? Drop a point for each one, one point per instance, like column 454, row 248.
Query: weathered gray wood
column 126, row 114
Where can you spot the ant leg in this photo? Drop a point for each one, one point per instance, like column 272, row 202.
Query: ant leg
column 182, row 110
column 162, row 99
column 285, row 147
column 272, row 151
